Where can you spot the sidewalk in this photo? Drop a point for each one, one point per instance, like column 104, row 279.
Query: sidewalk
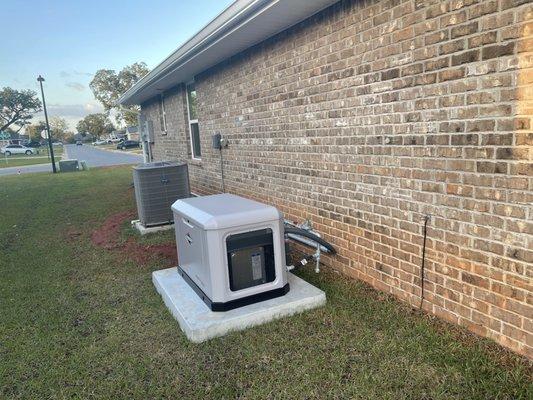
column 32, row 168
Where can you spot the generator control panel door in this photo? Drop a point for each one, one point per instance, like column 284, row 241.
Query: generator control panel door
column 250, row 259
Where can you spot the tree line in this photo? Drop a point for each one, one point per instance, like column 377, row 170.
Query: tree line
column 17, row 107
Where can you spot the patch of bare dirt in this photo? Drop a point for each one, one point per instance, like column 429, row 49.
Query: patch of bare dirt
column 108, row 237
column 141, row 253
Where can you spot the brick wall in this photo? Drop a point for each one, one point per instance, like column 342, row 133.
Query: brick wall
column 373, row 114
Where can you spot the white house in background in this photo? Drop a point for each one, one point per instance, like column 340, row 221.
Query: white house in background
column 132, row 133
column 87, row 138
column 115, row 135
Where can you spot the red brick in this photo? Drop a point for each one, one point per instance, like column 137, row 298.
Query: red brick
column 498, row 50
column 366, row 118
column 464, row 30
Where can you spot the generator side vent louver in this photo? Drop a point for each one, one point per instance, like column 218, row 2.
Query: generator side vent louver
column 157, row 186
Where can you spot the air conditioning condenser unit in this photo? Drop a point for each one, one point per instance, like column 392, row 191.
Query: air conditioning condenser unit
column 157, row 186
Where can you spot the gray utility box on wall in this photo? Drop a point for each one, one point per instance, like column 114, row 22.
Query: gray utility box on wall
column 157, row 186
column 231, row 250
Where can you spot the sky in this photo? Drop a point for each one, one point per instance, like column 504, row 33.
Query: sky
column 67, row 41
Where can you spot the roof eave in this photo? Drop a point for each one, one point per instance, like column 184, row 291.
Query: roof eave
column 240, row 26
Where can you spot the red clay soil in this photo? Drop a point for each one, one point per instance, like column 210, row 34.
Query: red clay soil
column 108, row 237
column 142, row 253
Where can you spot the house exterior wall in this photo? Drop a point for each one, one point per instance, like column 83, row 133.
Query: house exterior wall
column 372, row 115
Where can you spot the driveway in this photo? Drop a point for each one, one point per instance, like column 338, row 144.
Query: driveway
column 93, row 156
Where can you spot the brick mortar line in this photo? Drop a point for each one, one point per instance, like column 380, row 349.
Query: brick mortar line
column 461, row 296
column 467, row 223
column 515, row 54
column 330, row 212
column 490, row 305
column 490, row 254
column 358, row 57
column 385, row 114
column 332, row 34
column 288, row 173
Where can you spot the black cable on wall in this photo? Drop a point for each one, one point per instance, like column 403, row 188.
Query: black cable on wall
column 422, row 267
column 222, row 171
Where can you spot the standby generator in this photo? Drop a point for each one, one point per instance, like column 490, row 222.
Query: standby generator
column 231, row 250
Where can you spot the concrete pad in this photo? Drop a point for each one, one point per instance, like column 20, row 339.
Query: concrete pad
column 199, row 323
column 143, row 230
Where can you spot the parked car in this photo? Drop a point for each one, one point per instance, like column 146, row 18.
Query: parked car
column 16, row 149
column 117, row 140
column 128, row 144
column 79, row 143
column 102, row 141
column 45, row 143
column 33, row 144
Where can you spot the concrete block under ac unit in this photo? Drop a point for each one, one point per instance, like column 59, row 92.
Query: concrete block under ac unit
column 145, row 230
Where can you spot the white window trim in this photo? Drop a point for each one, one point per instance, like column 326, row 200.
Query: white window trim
column 191, row 121
column 164, row 112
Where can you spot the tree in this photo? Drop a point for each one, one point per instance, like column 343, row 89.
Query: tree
column 34, row 130
column 108, row 86
column 95, row 124
column 59, row 128
column 17, row 106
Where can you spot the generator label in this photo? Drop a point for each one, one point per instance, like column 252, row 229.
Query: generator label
column 256, row 266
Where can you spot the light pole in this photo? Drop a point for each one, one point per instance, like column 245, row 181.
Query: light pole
column 40, row 79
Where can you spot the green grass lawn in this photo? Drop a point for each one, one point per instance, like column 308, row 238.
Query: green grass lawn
column 79, row 321
column 18, row 160
column 43, row 151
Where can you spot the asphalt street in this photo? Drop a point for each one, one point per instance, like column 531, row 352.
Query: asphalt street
column 93, row 156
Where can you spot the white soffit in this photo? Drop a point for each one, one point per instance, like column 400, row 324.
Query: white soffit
column 240, row 26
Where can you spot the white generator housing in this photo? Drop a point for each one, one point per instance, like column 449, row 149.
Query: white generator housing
column 231, row 250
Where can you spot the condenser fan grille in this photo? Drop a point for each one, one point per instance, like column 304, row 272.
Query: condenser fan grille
column 157, row 186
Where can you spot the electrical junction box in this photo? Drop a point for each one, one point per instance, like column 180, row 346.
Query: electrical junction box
column 217, row 141
column 146, row 129
column 231, row 250
column 68, row 165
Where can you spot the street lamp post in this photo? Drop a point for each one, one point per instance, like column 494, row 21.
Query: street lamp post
column 40, row 79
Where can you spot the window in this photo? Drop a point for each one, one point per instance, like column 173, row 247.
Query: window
column 193, row 122
column 162, row 114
